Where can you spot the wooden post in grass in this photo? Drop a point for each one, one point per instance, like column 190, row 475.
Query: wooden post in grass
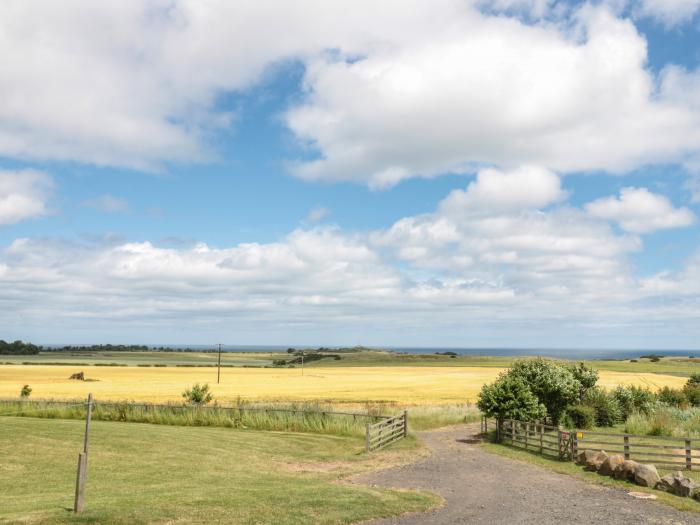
column 626, row 446
column 81, row 477
column 688, row 455
column 367, row 437
column 405, row 423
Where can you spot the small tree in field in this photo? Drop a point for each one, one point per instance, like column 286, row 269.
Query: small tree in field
column 509, row 397
column 26, row 391
column 198, row 394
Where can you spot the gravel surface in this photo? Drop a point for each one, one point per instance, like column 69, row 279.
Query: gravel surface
column 485, row 488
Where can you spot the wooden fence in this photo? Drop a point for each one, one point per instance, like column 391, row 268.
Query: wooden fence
column 386, row 432
column 548, row 440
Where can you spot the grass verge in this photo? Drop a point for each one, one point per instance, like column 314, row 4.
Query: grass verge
column 142, row 473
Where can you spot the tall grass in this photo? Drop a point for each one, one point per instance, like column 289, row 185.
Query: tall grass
column 292, row 417
column 666, row 421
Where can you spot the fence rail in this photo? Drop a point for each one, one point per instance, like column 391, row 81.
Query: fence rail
column 383, row 433
column 548, row 440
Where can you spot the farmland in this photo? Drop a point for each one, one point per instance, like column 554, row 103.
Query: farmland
column 355, row 384
column 152, row 473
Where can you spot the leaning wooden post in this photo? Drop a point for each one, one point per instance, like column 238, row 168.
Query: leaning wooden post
column 405, row 423
column 627, row 446
column 367, row 437
column 81, row 477
column 688, row 455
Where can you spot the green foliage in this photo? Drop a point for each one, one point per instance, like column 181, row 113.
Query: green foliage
column 587, row 376
column 553, row 384
column 607, row 409
column 580, row 416
column 692, row 393
column 633, row 399
column 672, row 397
column 26, row 391
column 198, row 395
column 510, row 397
column 694, row 379
column 18, row 348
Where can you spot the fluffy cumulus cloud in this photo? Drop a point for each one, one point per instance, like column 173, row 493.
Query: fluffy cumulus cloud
column 392, row 90
column 23, row 195
column 637, row 210
column 669, row 12
column 517, row 264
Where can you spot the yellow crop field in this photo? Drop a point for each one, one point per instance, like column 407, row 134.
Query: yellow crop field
column 406, row 385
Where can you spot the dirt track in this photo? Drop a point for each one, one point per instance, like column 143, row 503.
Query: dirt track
column 485, row 488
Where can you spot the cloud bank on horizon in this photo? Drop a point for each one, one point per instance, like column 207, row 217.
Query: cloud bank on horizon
column 572, row 151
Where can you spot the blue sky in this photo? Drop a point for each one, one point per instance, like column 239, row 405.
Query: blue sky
column 454, row 173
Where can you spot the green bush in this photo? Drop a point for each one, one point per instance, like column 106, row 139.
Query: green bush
column 634, row 399
column 672, row 397
column 198, row 395
column 691, row 391
column 25, row 392
column 607, row 409
column 580, row 416
column 553, row 384
column 510, row 397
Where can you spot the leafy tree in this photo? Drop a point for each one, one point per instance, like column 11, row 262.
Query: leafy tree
column 694, row 379
column 580, row 416
column 633, row 399
column 198, row 394
column 587, row 376
column 26, row 391
column 509, row 397
column 554, row 385
column 607, row 409
column 672, row 397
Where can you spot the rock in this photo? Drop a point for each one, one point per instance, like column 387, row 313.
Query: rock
column 666, row 483
column 585, row 455
column 596, row 460
column 607, row 468
column 626, row 470
column 679, row 485
column 646, row 475
column 80, row 376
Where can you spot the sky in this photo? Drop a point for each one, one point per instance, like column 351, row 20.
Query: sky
column 443, row 173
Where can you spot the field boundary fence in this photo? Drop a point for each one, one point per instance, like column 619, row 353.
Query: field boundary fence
column 379, row 430
column 386, row 432
column 566, row 444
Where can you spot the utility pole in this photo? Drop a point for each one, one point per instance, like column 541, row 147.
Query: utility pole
column 218, row 371
column 81, row 478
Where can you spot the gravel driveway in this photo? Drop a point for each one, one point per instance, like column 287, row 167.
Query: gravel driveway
column 485, row 488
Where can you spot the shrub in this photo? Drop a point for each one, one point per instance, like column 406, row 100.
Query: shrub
column 694, row 379
column 509, row 397
column 633, row 399
column 554, row 385
column 692, row 393
column 607, row 409
column 580, row 416
column 198, row 394
column 672, row 397
column 26, row 391
column 586, row 376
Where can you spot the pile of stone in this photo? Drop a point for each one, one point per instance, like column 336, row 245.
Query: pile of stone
column 640, row 473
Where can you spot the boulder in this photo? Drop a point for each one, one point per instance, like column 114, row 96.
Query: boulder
column 596, row 460
column 586, row 455
column 666, row 483
column 679, row 485
column 625, row 470
column 646, row 475
column 607, row 468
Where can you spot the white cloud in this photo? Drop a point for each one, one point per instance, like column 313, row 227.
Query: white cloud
column 637, row 210
column 23, row 195
column 492, row 90
column 394, row 90
column 108, row 204
column 669, row 12
column 317, row 214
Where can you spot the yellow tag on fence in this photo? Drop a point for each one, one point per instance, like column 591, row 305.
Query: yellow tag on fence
column 579, row 435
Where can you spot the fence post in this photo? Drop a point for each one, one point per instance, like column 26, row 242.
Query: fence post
column 367, row 437
column 627, row 446
column 559, row 445
column 512, row 432
column 405, row 423
column 541, row 434
column 573, row 436
column 527, row 433
column 81, row 477
column 688, row 455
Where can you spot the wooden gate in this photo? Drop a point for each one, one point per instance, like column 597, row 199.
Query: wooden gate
column 386, row 432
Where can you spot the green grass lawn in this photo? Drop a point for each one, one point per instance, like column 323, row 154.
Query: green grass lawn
column 141, row 473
